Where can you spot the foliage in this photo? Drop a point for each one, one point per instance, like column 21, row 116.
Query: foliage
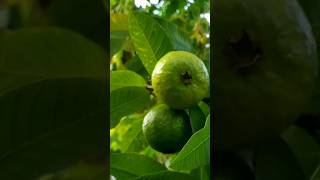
column 139, row 38
column 52, row 90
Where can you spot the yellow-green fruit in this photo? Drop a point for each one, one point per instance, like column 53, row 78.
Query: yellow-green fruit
column 180, row 80
column 166, row 130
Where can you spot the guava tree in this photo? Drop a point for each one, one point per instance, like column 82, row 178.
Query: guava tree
column 159, row 90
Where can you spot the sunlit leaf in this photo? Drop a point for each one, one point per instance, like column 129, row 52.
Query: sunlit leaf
column 128, row 165
column 149, row 39
column 125, row 101
column 196, row 152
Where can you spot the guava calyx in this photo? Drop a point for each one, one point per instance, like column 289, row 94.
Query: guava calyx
column 186, row 78
column 245, row 50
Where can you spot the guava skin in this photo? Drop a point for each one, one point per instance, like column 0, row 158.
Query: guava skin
column 166, row 130
column 264, row 70
column 180, row 80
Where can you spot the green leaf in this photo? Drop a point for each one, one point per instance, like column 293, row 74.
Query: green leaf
column 205, row 172
column 167, row 175
column 79, row 171
column 134, row 130
column 170, row 7
column 179, row 39
column 52, row 101
column 118, row 31
column 125, row 101
column 275, row 160
column 138, row 144
column 197, row 118
column 196, row 152
column 128, row 165
column 316, row 174
column 125, row 78
column 117, row 40
column 149, row 39
column 118, row 22
column 126, row 135
column 204, row 108
column 135, row 64
column 305, row 148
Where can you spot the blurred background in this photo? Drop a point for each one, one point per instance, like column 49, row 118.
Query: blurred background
column 53, row 88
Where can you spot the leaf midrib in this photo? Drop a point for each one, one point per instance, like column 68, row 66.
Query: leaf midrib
column 145, row 37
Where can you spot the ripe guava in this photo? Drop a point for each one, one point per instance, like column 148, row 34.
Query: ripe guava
column 264, row 65
column 166, row 130
column 180, row 79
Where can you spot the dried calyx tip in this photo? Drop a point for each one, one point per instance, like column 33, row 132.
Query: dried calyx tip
column 186, row 78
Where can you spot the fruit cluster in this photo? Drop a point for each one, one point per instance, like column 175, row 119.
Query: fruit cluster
column 265, row 67
column 180, row 80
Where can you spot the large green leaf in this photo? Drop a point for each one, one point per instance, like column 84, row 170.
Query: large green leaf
column 149, row 39
column 316, row 174
column 52, row 101
column 167, row 175
column 305, row 148
column 79, row 171
column 125, row 78
column 179, row 39
column 204, row 108
column 125, row 101
column 129, row 165
column 135, row 64
column 205, row 172
column 129, row 128
column 275, row 160
column 196, row 152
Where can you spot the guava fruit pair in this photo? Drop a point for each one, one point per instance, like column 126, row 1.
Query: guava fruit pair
column 264, row 66
column 180, row 80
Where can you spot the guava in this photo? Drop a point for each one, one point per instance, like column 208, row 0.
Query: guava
column 180, row 80
column 264, row 68
column 166, row 130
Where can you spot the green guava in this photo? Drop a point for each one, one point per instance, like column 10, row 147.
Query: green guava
column 264, row 66
column 166, row 130
column 180, row 80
